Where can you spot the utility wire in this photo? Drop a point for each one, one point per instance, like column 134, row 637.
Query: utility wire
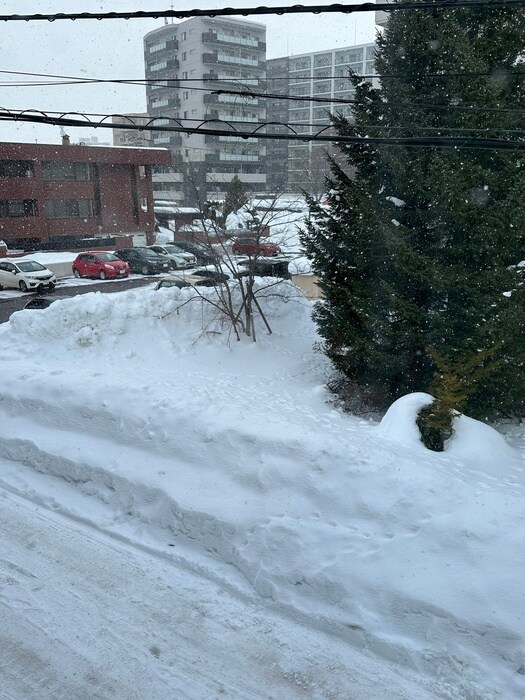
column 151, row 119
column 425, row 142
column 297, row 98
column 340, row 8
column 498, row 73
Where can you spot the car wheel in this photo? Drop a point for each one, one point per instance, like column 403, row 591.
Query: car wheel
column 23, row 286
column 144, row 269
column 102, row 275
column 76, row 272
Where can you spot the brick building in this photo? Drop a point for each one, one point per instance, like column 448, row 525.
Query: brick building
column 52, row 195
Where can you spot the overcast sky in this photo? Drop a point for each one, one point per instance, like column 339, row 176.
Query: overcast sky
column 113, row 49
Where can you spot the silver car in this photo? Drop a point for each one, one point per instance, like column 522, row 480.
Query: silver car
column 179, row 258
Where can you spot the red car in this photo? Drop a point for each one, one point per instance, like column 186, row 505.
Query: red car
column 252, row 247
column 101, row 265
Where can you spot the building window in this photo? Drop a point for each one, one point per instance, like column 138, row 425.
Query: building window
column 157, row 47
column 16, row 168
column 18, row 207
column 69, row 208
column 352, row 56
column 52, row 170
column 300, row 63
column 161, row 139
column 184, row 55
column 158, row 66
column 323, row 60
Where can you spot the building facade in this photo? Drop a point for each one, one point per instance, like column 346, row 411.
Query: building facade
column 181, row 60
column 54, row 194
column 322, row 74
column 131, row 137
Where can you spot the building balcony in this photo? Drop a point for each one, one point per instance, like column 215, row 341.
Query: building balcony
column 209, row 58
column 228, row 40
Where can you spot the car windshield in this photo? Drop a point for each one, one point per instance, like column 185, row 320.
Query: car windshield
column 194, row 244
column 30, row 266
column 172, row 249
column 146, row 252
column 107, row 257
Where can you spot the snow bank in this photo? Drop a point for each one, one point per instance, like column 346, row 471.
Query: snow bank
column 144, row 401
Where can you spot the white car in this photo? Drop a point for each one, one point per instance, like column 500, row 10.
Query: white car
column 180, row 259
column 26, row 275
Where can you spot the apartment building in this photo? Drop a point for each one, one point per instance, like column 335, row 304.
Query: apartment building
column 185, row 63
column 322, row 74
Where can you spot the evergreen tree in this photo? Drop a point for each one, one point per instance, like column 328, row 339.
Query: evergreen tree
column 235, row 197
column 417, row 255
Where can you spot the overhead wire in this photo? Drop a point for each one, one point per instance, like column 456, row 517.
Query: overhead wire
column 301, row 98
column 339, row 8
column 433, row 141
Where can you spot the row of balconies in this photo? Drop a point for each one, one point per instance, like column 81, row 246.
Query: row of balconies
column 233, row 41
column 169, row 64
column 158, row 47
column 233, row 99
column 224, row 59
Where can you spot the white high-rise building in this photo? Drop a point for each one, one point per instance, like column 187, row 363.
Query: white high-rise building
column 321, row 74
column 184, row 63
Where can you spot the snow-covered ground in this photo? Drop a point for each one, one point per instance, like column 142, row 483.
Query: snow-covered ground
column 188, row 516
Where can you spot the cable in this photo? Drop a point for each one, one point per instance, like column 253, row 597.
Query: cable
column 286, row 10
column 152, row 81
column 372, row 127
column 295, row 98
column 425, row 142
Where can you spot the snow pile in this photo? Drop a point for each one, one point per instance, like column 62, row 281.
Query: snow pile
column 144, row 402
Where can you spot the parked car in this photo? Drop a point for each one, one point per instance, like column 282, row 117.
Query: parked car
column 39, row 302
column 204, row 253
column 254, row 247
column 216, row 276
column 185, row 253
column 184, row 281
column 179, row 259
column 144, row 260
column 26, row 275
column 101, row 265
column 265, row 268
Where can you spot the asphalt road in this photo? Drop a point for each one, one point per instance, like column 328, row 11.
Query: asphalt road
column 19, row 300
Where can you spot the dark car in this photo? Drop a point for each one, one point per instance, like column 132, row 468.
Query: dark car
column 39, row 303
column 184, row 281
column 144, row 260
column 215, row 276
column 254, row 247
column 204, row 253
column 265, row 268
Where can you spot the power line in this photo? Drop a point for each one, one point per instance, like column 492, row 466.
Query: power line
column 497, row 74
column 296, row 98
column 151, row 119
column 283, row 10
column 424, row 142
